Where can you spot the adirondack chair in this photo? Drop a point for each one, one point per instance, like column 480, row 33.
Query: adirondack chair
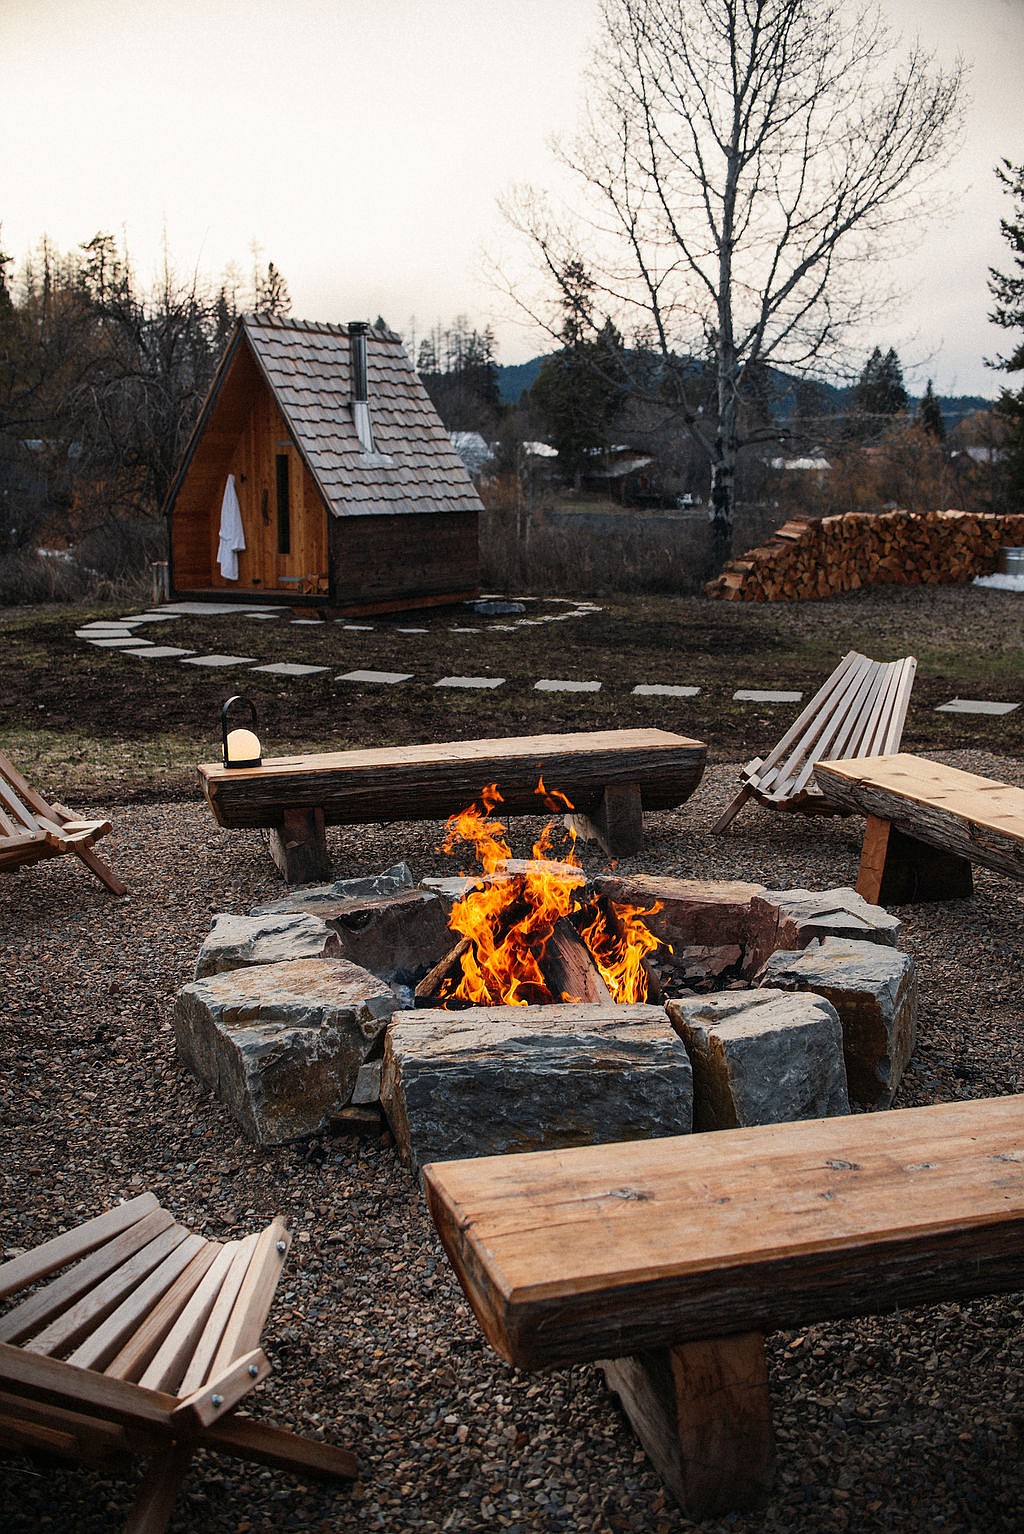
column 144, row 1343
column 859, row 711
column 31, row 829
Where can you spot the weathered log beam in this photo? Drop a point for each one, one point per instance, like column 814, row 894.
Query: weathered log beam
column 433, row 781
column 702, row 1413
column 298, row 845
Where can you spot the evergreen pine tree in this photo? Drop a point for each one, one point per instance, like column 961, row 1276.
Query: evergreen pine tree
column 881, row 390
column 930, row 414
column 1008, row 292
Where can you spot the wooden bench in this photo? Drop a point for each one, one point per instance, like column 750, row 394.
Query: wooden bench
column 610, row 776
column 926, row 825
column 667, row 1260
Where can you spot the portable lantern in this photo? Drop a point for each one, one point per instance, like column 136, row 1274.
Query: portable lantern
column 241, row 745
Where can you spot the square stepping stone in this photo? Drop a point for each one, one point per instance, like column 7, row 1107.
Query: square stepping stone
column 752, row 695
column 549, row 684
column 204, row 609
column 220, row 660
column 464, row 631
column 470, row 681
column 118, row 642
column 260, row 617
column 308, row 622
column 387, row 677
column 358, row 628
column 104, row 631
column 412, row 631
column 974, row 706
column 664, row 690
column 289, row 668
column 151, row 618
column 110, row 623
column 159, row 651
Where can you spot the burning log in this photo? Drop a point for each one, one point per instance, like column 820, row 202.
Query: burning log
column 569, row 968
column 532, row 933
column 566, row 972
column 443, row 978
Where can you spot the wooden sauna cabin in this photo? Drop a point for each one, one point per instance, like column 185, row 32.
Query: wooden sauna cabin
column 319, row 473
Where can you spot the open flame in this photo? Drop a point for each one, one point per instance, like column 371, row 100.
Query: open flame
column 507, row 923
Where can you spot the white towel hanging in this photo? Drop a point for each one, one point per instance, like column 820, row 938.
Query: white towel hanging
column 232, row 537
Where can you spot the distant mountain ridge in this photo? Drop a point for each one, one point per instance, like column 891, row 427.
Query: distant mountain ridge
column 516, row 379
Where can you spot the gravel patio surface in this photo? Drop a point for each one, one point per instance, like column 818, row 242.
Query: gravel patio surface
column 906, row 1422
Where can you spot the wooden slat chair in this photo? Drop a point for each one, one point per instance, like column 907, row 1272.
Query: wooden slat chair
column 32, row 829
column 859, row 711
column 143, row 1344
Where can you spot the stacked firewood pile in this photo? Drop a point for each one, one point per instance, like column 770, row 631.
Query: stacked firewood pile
column 809, row 557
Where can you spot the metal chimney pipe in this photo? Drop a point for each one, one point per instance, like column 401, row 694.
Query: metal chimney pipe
column 357, row 346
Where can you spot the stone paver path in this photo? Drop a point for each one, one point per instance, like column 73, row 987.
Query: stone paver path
column 119, row 634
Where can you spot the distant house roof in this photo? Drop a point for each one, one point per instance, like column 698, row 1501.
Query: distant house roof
column 819, row 465
column 308, row 367
column 472, row 449
column 617, row 463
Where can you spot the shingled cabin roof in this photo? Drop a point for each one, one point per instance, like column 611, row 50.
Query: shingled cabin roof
column 308, row 367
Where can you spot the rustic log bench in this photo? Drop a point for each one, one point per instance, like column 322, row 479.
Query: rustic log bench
column 668, row 1259
column 926, row 825
column 610, row 776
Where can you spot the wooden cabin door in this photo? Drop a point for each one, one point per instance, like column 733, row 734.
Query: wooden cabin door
column 283, row 513
column 298, row 525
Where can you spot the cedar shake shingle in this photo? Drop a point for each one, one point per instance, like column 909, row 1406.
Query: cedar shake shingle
column 415, row 467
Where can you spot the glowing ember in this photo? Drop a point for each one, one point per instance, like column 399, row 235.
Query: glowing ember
column 508, row 923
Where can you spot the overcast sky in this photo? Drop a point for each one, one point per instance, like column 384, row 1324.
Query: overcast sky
column 363, row 146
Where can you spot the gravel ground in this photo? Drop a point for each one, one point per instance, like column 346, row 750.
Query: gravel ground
column 907, row 1422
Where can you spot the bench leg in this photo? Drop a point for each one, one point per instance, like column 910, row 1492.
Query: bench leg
column 896, row 868
column 617, row 823
column 299, row 847
column 701, row 1411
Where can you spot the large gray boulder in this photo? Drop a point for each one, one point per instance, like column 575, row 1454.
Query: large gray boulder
column 762, row 1057
column 791, row 919
column 874, row 990
column 398, row 935
column 235, row 942
column 693, row 912
column 281, row 1044
column 491, row 1080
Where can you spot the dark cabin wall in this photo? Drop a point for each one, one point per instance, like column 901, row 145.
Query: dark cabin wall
column 400, row 560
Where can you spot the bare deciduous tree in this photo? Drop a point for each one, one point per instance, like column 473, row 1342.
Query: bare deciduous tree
column 740, row 161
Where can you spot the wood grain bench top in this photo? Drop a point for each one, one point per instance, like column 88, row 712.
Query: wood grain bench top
column 913, row 805
column 427, row 781
column 911, row 780
column 603, row 1251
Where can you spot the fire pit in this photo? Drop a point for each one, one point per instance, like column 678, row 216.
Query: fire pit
column 528, row 1005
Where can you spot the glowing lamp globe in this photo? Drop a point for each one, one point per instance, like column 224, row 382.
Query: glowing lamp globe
column 241, row 743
